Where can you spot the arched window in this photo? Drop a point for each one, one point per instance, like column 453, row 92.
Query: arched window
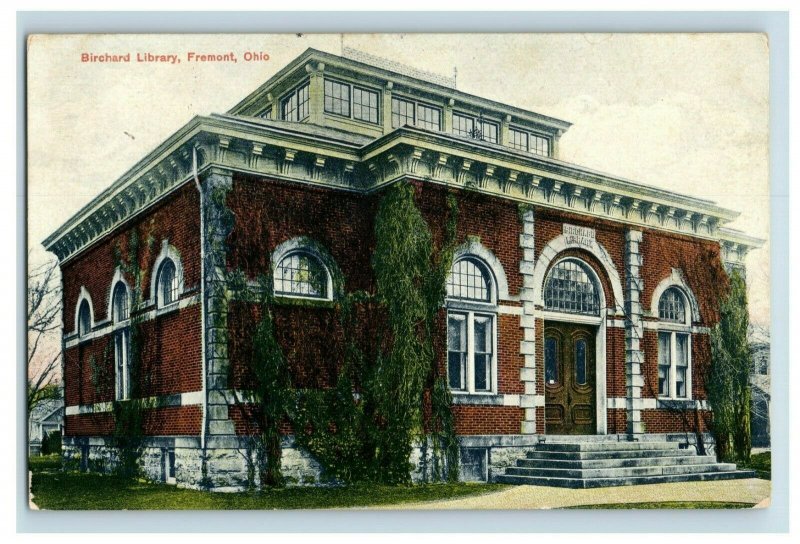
column 471, row 327
column 301, row 274
column 120, row 313
column 167, row 283
column 570, row 288
column 672, row 306
column 120, row 310
column 84, row 318
column 469, row 280
column 674, row 346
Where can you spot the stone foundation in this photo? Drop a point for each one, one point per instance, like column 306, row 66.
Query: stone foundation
column 229, row 467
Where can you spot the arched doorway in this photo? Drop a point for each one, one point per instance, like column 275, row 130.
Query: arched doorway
column 574, row 348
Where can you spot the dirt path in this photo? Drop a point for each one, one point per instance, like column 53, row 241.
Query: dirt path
column 532, row 497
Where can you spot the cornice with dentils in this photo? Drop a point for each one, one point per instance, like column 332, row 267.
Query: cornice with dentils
column 321, row 157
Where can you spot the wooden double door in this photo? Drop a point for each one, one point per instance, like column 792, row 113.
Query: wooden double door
column 570, row 380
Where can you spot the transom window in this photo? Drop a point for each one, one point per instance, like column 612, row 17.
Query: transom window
column 84, row 318
column 477, row 128
column 570, row 288
column 409, row 112
column 167, row 284
column 471, row 333
column 301, row 274
column 468, row 281
column 528, row 141
column 294, row 106
column 672, row 306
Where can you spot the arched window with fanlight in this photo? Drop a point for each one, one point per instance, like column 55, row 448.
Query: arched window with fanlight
column 674, row 345
column 570, row 288
column 471, row 327
column 300, row 273
column 120, row 317
column 166, row 283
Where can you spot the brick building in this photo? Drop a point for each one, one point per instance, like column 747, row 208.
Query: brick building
column 579, row 304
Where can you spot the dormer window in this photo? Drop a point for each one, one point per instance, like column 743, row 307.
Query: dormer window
column 294, row 105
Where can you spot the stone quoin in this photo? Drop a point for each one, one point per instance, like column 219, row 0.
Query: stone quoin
column 579, row 304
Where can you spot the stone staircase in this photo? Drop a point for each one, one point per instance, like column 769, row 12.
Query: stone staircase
column 585, row 465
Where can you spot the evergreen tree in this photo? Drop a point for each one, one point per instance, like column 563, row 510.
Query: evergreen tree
column 728, row 382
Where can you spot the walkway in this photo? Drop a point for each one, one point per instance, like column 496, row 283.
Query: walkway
column 534, row 497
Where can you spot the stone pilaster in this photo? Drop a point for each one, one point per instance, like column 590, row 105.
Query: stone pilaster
column 527, row 322
column 634, row 331
column 387, row 107
column 216, row 226
column 316, row 93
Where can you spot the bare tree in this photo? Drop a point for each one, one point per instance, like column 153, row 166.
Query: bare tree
column 44, row 348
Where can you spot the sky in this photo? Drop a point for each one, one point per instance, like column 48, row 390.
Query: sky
column 688, row 113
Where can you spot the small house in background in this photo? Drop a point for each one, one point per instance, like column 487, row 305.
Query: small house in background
column 44, row 419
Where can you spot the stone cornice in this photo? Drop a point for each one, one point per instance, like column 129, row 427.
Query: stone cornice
column 305, row 154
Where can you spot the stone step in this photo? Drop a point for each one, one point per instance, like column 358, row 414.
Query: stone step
column 622, row 472
column 618, row 463
column 585, row 483
column 605, row 454
column 608, row 446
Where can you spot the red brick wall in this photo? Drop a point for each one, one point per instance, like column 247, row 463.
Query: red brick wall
column 698, row 259
column 176, row 219
column 617, row 421
column 509, row 335
column 169, row 420
column 495, row 221
column 615, row 362
column 172, row 350
column 665, row 421
column 89, row 372
column 550, row 224
column 471, row 419
column 172, row 354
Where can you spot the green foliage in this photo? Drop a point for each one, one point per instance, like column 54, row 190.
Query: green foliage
column 51, row 443
column 728, row 383
column 272, row 393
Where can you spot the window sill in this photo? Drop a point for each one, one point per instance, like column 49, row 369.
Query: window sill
column 665, row 402
column 303, row 302
column 169, row 308
column 485, row 399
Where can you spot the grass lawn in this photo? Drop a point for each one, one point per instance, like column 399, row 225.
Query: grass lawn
column 56, row 490
column 683, row 505
column 762, row 464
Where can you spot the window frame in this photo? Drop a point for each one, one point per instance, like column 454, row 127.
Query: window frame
column 84, row 330
column 531, row 137
column 415, row 111
column 352, row 87
column 121, row 334
column 328, row 296
column 672, row 330
column 295, row 93
column 473, row 310
column 594, row 280
column 477, row 122
column 175, row 288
